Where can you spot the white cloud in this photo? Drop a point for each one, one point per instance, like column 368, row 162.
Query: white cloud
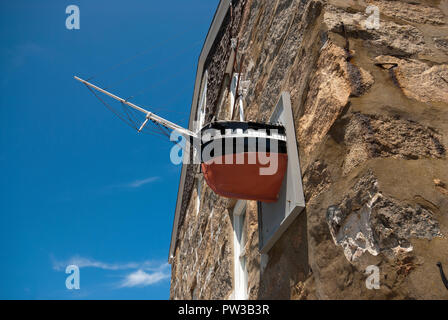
column 139, row 183
column 143, row 273
column 19, row 55
column 133, row 184
column 82, row 262
column 141, row 278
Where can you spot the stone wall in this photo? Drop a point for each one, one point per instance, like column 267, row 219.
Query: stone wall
column 371, row 118
column 203, row 260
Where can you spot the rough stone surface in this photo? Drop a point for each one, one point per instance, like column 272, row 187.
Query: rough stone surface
column 317, row 178
column 368, row 221
column 370, row 112
column 330, row 87
column 441, row 43
column 370, row 136
column 202, row 267
column 392, row 37
column 219, row 55
column 411, row 12
column 417, row 80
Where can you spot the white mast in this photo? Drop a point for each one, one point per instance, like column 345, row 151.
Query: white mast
column 149, row 115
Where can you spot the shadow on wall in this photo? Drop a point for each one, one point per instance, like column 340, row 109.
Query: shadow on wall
column 287, row 262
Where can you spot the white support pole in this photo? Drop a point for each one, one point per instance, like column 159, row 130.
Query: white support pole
column 149, row 115
column 143, row 124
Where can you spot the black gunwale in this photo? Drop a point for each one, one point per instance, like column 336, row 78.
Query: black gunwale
column 244, row 125
column 259, row 147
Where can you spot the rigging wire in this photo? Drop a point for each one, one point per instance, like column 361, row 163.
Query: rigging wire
column 160, row 128
column 172, row 99
column 162, row 81
column 110, row 108
column 141, row 53
column 152, row 66
column 130, row 119
column 129, row 122
column 125, row 109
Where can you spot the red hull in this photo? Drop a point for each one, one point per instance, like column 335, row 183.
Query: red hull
column 244, row 181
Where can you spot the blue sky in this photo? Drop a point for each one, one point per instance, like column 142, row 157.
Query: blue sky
column 78, row 186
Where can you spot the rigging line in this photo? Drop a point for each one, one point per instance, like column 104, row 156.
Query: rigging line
column 134, row 114
column 159, row 132
column 152, row 66
column 160, row 137
column 126, row 112
column 169, row 77
column 131, row 118
column 164, row 109
column 167, row 131
column 161, row 129
column 110, row 108
column 113, row 110
column 159, row 44
column 166, row 104
column 154, row 135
